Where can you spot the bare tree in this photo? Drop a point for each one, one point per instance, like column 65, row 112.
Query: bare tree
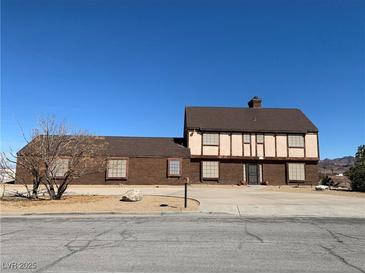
column 27, row 163
column 6, row 173
column 56, row 156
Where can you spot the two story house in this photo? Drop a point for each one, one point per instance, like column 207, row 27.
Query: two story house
column 253, row 144
column 220, row 145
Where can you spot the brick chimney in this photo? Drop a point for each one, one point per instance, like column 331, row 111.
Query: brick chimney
column 255, row 102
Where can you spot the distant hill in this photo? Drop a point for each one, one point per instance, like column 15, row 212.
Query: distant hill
column 336, row 166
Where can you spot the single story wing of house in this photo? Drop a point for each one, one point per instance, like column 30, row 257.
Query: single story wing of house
column 221, row 145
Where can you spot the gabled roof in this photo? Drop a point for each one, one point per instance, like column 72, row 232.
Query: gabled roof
column 274, row 120
column 116, row 146
column 145, row 147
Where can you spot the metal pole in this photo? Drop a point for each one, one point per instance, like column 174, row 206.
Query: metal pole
column 186, row 196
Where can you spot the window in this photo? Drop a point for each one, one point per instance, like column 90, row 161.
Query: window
column 117, row 168
column 296, row 172
column 246, row 138
column 174, row 167
column 296, row 140
column 210, row 170
column 211, row 139
column 60, row 167
column 260, row 138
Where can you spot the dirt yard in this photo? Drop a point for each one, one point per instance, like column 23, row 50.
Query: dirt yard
column 308, row 189
column 95, row 204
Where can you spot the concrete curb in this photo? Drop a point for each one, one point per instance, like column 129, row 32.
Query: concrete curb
column 115, row 214
column 172, row 214
column 191, row 215
column 172, row 196
column 99, row 213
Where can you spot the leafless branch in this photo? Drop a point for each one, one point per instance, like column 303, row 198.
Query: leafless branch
column 51, row 142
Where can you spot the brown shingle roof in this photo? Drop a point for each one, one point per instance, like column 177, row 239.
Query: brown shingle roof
column 116, row 146
column 248, row 119
column 145, row 147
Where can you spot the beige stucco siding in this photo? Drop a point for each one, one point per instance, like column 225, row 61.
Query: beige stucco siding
column 253, row 145
column 296, row 152
column 232, row 145
column 281, row 145
column 195, row 142
column 260, row 150
column 247, row 149
column 311, row 145
column 210, row 150
column 225, row 144
column 236, row 144
column 269, row 145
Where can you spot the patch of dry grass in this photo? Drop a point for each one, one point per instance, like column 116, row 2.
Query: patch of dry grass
column 97, row 204
column 308, row 189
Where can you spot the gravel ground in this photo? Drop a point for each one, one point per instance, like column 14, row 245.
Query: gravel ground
column 97, row 204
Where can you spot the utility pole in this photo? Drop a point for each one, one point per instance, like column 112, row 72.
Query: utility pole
column 186, row 192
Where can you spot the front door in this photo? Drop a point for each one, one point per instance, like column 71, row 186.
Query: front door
column 253, row 174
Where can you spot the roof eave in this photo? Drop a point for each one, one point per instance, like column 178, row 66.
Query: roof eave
column 250, row 131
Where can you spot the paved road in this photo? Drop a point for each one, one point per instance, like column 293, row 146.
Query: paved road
column 183, row 243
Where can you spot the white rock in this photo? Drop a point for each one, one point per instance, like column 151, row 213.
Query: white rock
column 132, row 195
column 340, row 188
column 321, row 187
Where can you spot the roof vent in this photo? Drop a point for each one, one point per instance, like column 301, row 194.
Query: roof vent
column 255, row 102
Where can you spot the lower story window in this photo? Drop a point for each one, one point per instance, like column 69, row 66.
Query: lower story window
column 117, row 168
column 174, row 167
column 296, row 172
column 60, row 167
column 210, row 170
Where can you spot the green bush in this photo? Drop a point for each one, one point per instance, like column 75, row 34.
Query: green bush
column 357, row 177
column 327, row 181
column 357, row 173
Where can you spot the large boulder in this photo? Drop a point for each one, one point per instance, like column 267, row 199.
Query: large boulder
column 321, row 187
column 132, row 195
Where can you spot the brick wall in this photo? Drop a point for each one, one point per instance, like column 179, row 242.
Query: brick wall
column 311, row 173
column 154, row 171
column 194, row 171
column 230, row 173
column 274, row 173
column 140, row 171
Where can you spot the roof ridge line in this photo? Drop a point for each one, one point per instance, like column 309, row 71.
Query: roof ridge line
column 141, row 137
column 241, row 108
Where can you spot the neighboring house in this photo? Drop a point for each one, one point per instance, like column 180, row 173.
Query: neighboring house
column 220, row 145
column 7, row 176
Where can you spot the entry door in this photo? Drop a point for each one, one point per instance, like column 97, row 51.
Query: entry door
column 253, row 173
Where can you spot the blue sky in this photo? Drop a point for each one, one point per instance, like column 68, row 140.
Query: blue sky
column 129, row 67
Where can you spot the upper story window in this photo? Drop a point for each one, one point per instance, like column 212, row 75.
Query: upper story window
column 296, row 172
column 211, row 139
column 60, row 167
column 260, row 138
column 296, row 141
column 174, row 167
column 246, row 138
column 117, row 168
